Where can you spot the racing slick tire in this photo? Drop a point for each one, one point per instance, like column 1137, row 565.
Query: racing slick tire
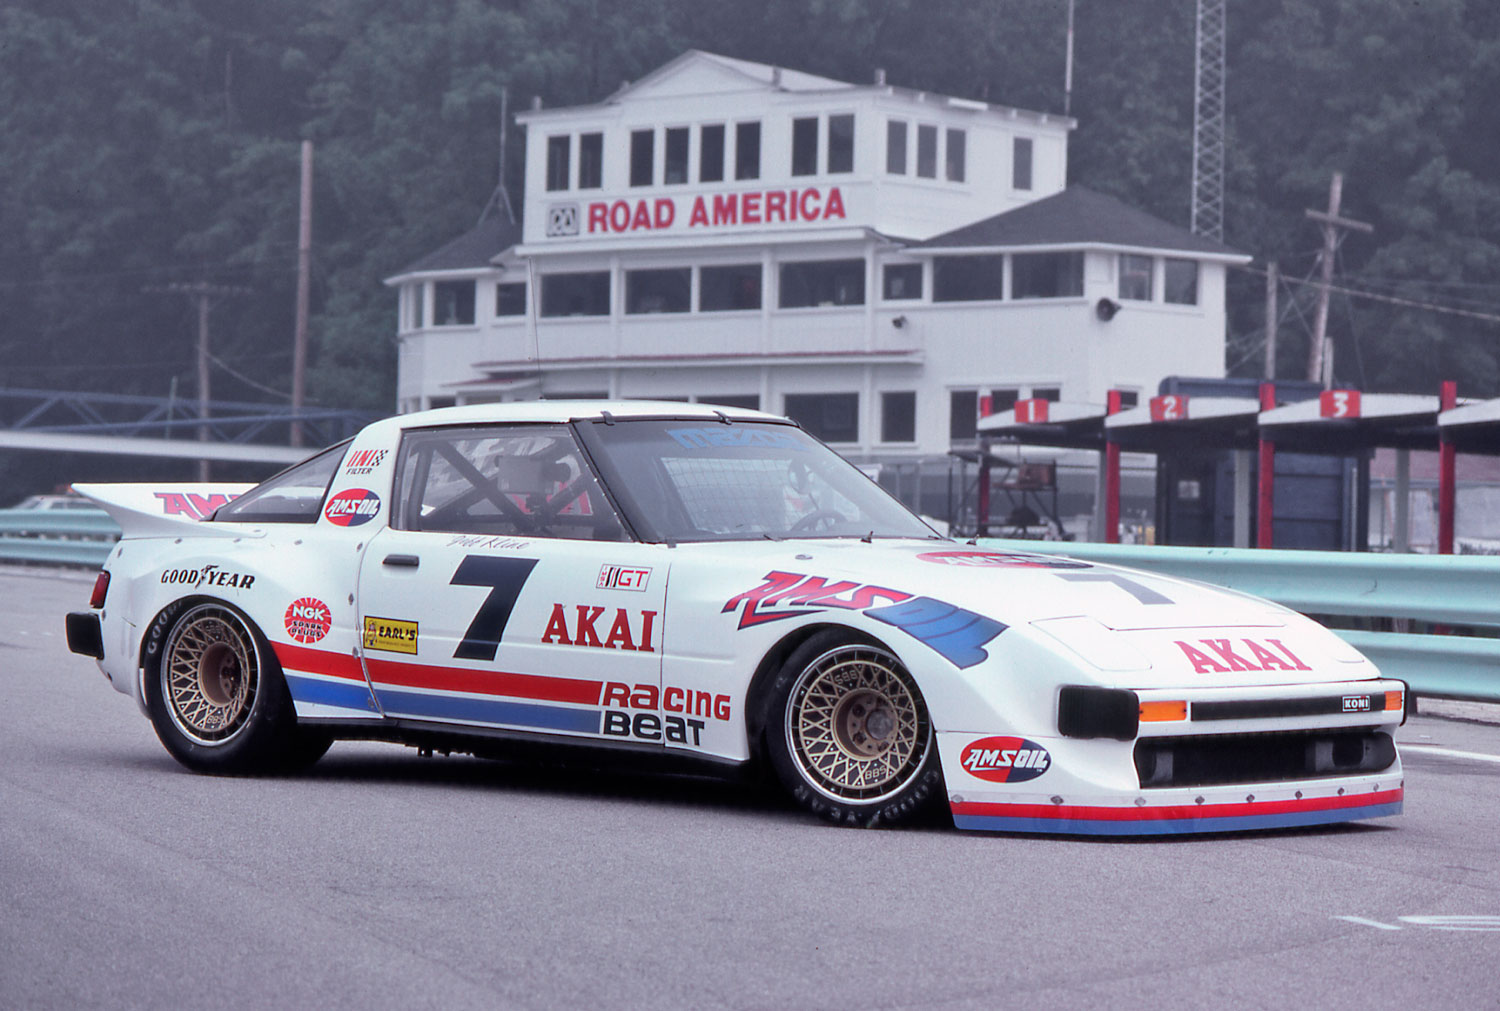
column 848, row 734
column 217, row 698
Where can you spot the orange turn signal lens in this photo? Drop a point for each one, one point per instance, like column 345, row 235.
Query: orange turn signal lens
column 1393, row 702
column 1163, row 712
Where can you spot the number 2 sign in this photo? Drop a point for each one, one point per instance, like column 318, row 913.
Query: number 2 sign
column 1171, row 407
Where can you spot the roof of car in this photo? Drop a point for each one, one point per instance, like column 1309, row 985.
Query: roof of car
column 559, row 411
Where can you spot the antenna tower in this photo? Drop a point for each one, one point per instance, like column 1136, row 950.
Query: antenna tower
column 1208, row 123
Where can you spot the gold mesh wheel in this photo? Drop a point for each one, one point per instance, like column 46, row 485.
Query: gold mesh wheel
column 856, row 726
column 210, row 674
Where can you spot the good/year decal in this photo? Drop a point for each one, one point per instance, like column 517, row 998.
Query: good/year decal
column 957, row 634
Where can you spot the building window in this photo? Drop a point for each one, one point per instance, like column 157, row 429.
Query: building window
column 453, row 303
column 963, row 412
column 747, row 150
column 902, row 281
column 558, row 149
column 927, row 152
column 658, row 290
column 1020, row 165
column 676, row 166
column 1000, row 401
column 1135, row 277
column 1180, row 281
column 895, row 147
column 582, row 294
column 841, row 143
column 822, row 282
column 805, row 147
column 968, row 278
column 1046, row 275
column 414, row 302
column 642, row 157
column 749, row 401
column 1051, row 394
column 898, row 417
column 1128, row 399
column 724, row 289
column 591, row 161
column 510, row 299
column 957, row 150
column 832, row 417
column 711, row 154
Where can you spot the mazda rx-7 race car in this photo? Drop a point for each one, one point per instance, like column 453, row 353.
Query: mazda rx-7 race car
column 715, row 587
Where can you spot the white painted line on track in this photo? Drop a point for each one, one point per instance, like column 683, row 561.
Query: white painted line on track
column 1428, row 749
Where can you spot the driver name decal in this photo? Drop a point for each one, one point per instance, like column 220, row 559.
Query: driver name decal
column 352, row 508
column 959, row 635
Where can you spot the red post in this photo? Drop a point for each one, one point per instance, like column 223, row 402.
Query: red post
column 1447, row 473
column 1111, row 475
column 1266, row 475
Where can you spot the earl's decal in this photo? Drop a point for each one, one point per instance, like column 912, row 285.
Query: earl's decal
column 628, row 630
column 393, row 635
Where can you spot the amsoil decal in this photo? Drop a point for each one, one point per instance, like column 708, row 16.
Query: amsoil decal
column 680, row 705
column 364, row 461
column 308, row 619
column 626, row 630
column 189, row 503
column 999, row 560
column 623, row 577
column 352, row 508
column 393, row 635
column 207, row 575
column 957, row 634
column 718, row 210
column 1223, row 656
column 1005, row 759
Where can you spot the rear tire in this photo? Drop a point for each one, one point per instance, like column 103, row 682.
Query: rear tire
column 849, row 736
column 217, row 699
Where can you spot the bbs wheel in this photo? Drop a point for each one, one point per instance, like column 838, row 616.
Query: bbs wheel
column 217, row 698
column 848, row 733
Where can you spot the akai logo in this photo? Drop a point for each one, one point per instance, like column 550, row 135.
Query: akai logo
column 352, row 508
column 1005, row 759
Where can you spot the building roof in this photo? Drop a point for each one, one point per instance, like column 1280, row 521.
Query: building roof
column 473, row 250
column 1078, row 216
column 782, row 78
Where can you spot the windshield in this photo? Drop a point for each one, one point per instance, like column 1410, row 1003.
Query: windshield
column 691, row 480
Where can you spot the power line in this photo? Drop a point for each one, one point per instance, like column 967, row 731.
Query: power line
column 1409, row 303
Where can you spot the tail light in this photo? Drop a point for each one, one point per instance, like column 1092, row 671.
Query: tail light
column 101, row 589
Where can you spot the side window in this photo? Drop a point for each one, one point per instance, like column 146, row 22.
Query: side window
column 293, row 496
column 522, row 480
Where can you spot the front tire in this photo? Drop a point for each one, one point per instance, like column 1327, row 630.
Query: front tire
column 217, row 699
column 849, row 736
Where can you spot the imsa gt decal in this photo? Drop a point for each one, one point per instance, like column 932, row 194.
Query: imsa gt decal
column 958, row 635
column 1005, row 759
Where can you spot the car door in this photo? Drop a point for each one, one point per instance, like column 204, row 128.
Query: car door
column 505, row 593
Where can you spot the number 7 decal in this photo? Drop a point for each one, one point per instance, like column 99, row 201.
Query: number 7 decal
column 504, row 577
column 1139, row 591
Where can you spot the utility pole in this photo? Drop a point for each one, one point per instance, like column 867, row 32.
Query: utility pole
column 1273, row 279
column 202, row 291
column 1319, row 356
column 1068, row 67
column 304, row 284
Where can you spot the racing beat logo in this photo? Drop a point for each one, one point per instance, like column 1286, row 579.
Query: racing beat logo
column 308, row 620
column 1005, row 759
column 352, row 508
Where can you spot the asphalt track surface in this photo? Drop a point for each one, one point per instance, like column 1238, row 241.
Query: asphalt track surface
column 384, row 879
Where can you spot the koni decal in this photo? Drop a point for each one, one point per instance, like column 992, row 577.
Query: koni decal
column 352, row 508
column 1223, row 656
column 959, row 635
column 1005, row 759
column 308, row 620
column 624, row 632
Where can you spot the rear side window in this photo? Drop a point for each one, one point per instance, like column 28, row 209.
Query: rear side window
column 523, row 480
column 293, row 496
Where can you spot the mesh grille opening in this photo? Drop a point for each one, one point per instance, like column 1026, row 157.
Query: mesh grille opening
column 1222, row 759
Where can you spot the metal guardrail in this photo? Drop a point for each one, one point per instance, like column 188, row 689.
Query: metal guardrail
column 57, row 536
column 1444, row 590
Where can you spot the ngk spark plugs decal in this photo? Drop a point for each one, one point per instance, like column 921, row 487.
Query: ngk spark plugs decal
column 308, row 619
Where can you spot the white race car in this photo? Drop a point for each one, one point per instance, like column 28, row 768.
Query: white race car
column 716, row 588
